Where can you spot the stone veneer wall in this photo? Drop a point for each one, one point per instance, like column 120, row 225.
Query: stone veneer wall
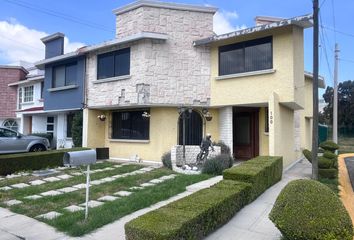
column 171, row 72
column 191, row 153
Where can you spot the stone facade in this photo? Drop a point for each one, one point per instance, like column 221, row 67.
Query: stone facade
column 191, row 154
column 170, row 72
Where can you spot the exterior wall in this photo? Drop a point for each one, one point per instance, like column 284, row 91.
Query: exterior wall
column 64, row 99
column 39, row 123
column 226, row 126
column 256, row 89
column 306, row 116
column 263, row 136
column 170, row 72
column 94, row 131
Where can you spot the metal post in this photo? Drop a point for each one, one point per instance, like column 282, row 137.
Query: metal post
column 87, row 190
column 315, row 92
column 335, row 95
column 184, row 136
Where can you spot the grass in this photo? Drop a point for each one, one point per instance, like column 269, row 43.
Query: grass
column 73, row 223
column 346, row 145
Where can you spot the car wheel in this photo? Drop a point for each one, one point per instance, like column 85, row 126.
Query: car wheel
column 37, row 148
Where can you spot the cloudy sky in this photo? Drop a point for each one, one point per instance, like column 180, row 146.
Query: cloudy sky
column 84, row 22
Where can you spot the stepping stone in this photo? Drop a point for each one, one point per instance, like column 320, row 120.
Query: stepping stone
column 33, row 197
column 76, row 173
column 51, row 193
column 13, row 202
column 108, row 179
column 108, row 168
column 50, row 215
column 12, row 176
column 99, row 170
column 80, row 186
column 136, row 188
column 167, row 177
column 51, row 179
column 6, row 188
column 117, row 176
column 96, row 182
column 37, row 182
column 157, row 181
column 122, row 193
column 107, row 198
column 147, row 184
column 146, row 169
column 24, row 174
column 74, row 208
column 140, row 171
column 92, row 204
column 1, row 178
column 117, row 166
column 20, row 185
column 64, row 176
column 67, row 189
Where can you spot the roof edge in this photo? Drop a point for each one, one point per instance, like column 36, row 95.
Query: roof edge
column 15, row 67
column 52, row 37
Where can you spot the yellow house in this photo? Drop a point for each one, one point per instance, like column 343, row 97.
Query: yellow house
column 247, row 88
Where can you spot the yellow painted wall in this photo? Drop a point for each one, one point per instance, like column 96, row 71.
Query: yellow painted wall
column 287, row 42
column 306, row 116
column 95, row 133
column 263, row 136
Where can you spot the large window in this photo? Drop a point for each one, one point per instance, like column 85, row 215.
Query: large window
column 113, row 64
column 25, row 95
column 64, row 75
column 247, row 56
column 130, row 125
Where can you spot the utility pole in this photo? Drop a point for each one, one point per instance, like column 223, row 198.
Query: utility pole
column 315, row 92
column 335, row 95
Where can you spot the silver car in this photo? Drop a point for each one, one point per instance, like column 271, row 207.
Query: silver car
column 14, row 142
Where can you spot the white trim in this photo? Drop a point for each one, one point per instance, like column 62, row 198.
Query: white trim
column 51, row 111
column 28, row 80
column 27, row 103
column 62, row 88
column 112, row 79
column 128, row 140
column 245, row 74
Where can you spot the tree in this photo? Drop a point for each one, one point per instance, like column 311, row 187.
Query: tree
column 76, row 129
column 345, row 105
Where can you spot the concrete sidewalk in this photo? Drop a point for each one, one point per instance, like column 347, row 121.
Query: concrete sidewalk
column 252, row 221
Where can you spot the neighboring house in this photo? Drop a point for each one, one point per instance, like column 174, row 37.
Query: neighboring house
column 242, row 87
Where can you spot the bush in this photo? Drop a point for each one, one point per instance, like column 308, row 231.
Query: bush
column 329, row 155
column 329, row 146
column 307, row 209
column 11, row 163
column 192, row 217
column 166, row 160
column 44, row 135
column 76, row 129
column 262, row 172
column 308, row 155
column 225, row 149
column 325, row 163
column 216, row 165
column 331, row 173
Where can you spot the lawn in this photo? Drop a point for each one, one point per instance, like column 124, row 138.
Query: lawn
column 346, row 145
column 165, row 184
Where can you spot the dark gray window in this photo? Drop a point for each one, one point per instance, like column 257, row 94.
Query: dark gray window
column 130, row 125
column 69, row 123
column 64, row 75
column 246, row 56
column 113, row 64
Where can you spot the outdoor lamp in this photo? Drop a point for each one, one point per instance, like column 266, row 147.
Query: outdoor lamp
column 102, row 117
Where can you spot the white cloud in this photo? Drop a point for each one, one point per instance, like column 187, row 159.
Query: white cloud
column 18, row 42
column 222, row 22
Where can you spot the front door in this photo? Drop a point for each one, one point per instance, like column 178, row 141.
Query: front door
column 245, row 133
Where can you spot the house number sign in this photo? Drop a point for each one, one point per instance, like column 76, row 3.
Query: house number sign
column 271, row 117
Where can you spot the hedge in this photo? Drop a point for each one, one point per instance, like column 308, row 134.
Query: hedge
column 11, row 163
column 262, row 172
column 307, row 209
column 329, row 146
column 197, row 215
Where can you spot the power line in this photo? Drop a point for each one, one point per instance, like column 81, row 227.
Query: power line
column 323, row 41
column 334, row 22
column 337, row 31
column 346, row 60
column 323, row 2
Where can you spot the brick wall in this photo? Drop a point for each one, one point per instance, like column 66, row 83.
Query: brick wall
column 8, row 95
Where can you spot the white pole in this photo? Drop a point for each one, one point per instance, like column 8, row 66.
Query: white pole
column 335, row 95
column 87, row 190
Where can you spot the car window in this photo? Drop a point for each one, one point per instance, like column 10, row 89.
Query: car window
column 7, row 133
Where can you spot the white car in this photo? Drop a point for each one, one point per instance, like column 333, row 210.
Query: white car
column 14, row 142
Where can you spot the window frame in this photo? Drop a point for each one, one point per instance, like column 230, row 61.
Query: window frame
column 30, row 91
column 72, row 83
column 114, row 54
column 243, row 45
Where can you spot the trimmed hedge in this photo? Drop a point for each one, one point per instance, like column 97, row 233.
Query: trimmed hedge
column 329, row 146
column 330, row 173
column 262, row 172
column 197, row 215
column 166, row 160
column 216, row 165
column 329, row 155
column 11, row 163
column 325, row 163
column 308, row 155
column 307, row 209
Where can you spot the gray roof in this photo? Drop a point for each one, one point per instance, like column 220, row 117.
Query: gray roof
column 304, row 21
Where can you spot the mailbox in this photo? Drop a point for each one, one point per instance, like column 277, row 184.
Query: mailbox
column 79, row 158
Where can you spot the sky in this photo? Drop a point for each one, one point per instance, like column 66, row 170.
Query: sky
column 86, row 22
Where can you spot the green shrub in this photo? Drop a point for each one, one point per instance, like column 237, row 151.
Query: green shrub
column 262, row 172
column 329, row 155
column 308, row 210
column 216, row 165
column 331, row 173
column 76, row 129
column 11, row 163
column 325, row 163
column 192, row 217
column 308, row 155
column 224, row 149
column 44, row 135
column 166, row 160
column 329, row 146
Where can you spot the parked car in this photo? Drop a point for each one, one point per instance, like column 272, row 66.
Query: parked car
column 14, row 142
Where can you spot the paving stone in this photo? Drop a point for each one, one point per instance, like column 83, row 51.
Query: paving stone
column 108, row 179
column 37, row 182
column 99, row 170
column 107, row 198
column 12, row 176
column 33, row 197
column 117, row 176
column 122, row 193
column 6, row 188
column 146, row 169
column 74, row 208
column 50, row 215
column 76, row 173
column 80, row 186
column 168, row 177
column 117, row 166
column 64, row 176
column 51, row 193
column 24, row 174
column 147, row 184
column 97, row 182
column 157, row 181
column 108, row 168
column 51, row 179
column 92, row 204
column 19, row 185
column 67, row 189
column 1, row 178
column 13, row 202
column 140, row 171
column 136, row 188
